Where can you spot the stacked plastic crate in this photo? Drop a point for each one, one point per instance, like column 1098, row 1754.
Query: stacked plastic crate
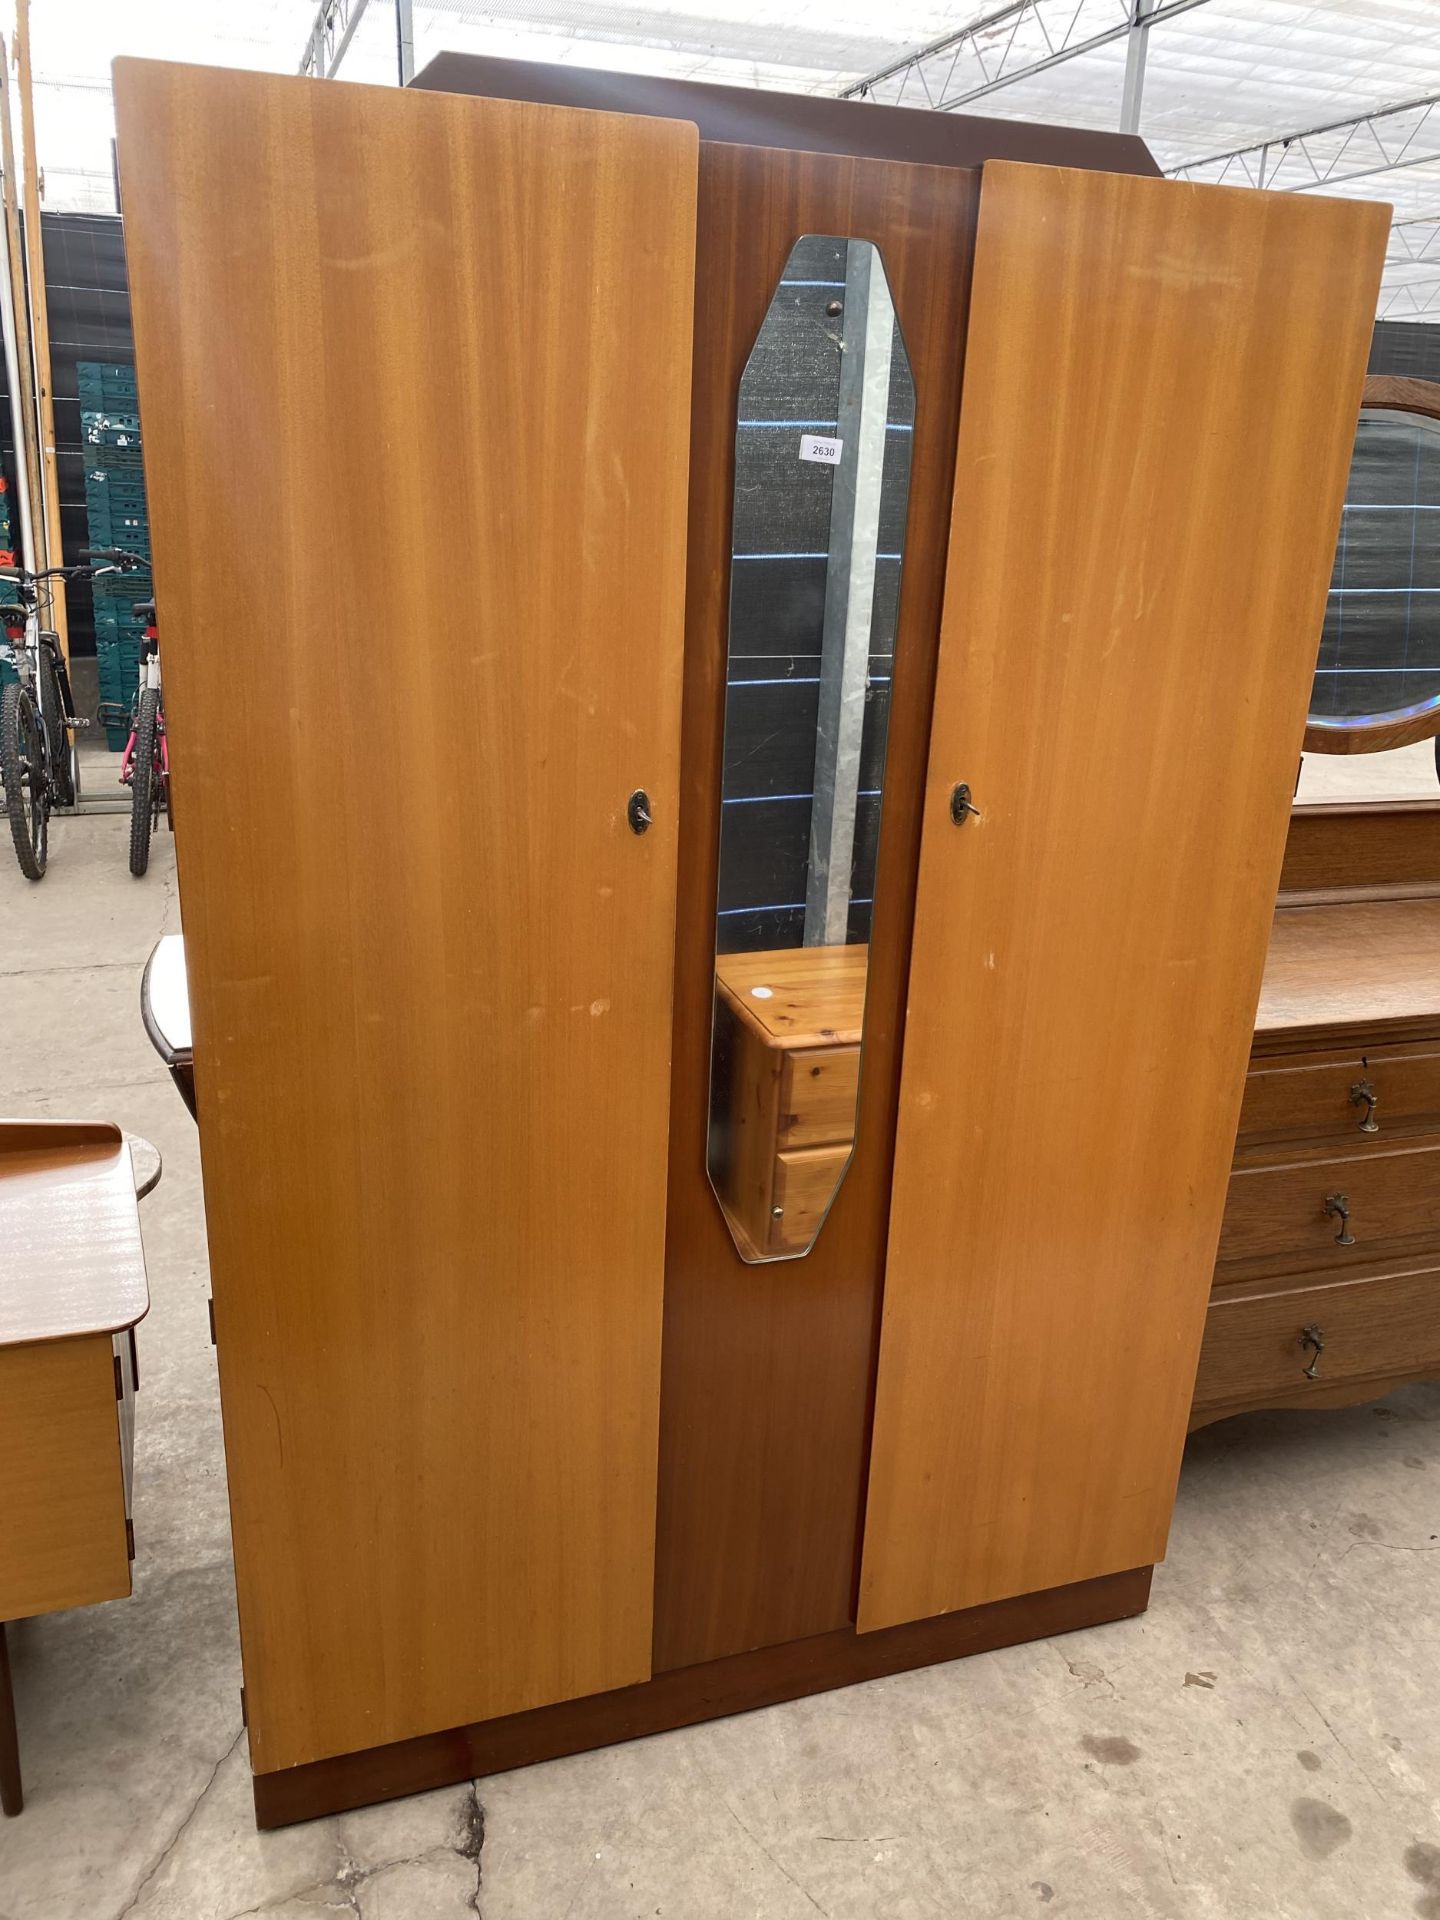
column 7, row 533
column 116, row 515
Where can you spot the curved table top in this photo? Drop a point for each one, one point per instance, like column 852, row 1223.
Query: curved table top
column 70, row 1226
column 165, row 1000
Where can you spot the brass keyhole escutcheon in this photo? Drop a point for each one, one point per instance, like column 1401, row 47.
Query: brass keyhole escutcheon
column 1363, row 1094
column 637, row 811
column 962, row 806
column 1312, row 1341
column 1337, row 1207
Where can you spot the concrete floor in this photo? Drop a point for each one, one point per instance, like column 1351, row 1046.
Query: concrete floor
column 1265, row 1742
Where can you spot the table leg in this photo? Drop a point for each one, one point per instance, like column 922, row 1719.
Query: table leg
column 12, row 1798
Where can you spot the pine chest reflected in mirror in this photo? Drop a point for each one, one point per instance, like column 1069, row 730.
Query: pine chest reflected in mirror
column 822, row 468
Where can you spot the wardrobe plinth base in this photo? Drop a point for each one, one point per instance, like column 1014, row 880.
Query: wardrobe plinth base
column 686, row 1696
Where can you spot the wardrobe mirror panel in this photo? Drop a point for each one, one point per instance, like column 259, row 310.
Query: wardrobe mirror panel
column 822, row 473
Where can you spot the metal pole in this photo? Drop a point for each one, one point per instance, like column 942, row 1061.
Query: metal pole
column 40, row 324
column 19, row 407
column 405, row 39
column 1137, row 44
column 16, row 327
column 867, row 335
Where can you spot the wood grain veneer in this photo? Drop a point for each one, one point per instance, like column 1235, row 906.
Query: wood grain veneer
column 62, row 1503
column 785, row 1081
column 446, row 342
column 768, row 1371
column 1381, row 849
column 682, row 1697
column 1378, row 1331
column 765, row 117
column 1141, row 545
column 1275, row 1217
column 1373, row 963
column 69, row 1230
column 1401, row 392
column 808, row 996
column 1311, row 1096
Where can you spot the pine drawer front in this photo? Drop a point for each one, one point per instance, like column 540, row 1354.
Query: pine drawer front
column 805, row 1184
column 1333, row 1211
column 818, row 1091
column 1259, row 1348
column 1367, row 1095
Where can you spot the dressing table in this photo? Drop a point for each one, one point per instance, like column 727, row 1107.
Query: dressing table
column 1327, row 1283
column 73, row 1289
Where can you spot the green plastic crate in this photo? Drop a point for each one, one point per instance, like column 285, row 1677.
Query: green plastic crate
column 116, row 594
column 114, row 461
column 102, row 382
column 106, row 483
column 130, row 536
column 107, row 429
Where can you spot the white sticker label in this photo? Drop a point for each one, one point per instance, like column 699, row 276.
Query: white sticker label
column 826, row 452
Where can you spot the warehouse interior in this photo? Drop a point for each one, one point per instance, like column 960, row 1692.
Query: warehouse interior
column 374, row 843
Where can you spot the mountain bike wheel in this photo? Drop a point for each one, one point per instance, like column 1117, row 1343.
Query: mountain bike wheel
column 143, row 796
column 63, row 769
column 23, row 772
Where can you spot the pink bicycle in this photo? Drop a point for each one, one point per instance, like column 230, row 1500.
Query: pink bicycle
column 145, row 768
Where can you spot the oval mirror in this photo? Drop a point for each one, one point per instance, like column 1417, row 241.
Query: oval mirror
column 822, row 477
column 1377, row 681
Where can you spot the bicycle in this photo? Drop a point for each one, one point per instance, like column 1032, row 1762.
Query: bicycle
column 146, row 766
column 39, row 768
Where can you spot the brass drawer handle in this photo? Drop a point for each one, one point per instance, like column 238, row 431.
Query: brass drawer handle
column 1312, row 1337
column 1337, row 1207
column 1363, row 1094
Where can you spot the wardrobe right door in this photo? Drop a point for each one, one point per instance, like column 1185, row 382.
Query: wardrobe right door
column 1161, row 388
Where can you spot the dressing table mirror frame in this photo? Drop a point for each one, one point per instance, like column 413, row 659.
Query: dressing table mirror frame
column 1397, row 394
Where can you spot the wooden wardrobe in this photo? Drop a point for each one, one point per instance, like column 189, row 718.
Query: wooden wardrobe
column 523, row 1456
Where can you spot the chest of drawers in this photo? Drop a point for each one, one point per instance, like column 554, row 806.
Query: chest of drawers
column 71, row 1290
column 1327, row 1283
column 787, row 1072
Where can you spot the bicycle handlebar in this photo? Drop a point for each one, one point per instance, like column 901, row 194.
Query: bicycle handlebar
column 113, row 560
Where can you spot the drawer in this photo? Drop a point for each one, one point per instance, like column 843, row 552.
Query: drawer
column 1255, row 1347
column 805, row 1184
column 63, row 1538
column 1392, row 1194
column 818, row 1090
column 1322, row 1095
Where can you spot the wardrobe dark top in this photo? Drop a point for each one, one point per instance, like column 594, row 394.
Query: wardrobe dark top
column 756, row 117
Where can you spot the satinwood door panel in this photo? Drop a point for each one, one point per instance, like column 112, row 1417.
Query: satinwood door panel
column 1161, row 388
column 415, row 377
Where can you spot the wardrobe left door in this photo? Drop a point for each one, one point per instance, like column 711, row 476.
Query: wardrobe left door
column 415, row 376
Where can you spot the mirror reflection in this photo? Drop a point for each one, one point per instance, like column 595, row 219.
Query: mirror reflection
column 1380, row 650
column 822, row 473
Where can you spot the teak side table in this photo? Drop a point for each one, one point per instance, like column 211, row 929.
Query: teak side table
column 74, row 1288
